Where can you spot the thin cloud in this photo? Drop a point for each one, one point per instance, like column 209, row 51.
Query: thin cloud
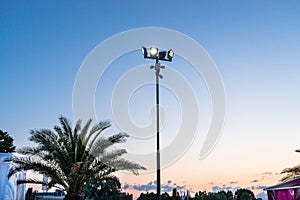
column 229, row 188
column 268, row 173
column 147, row 187
column 258, row 187
column 126, row 186
column 217, row 188
column 151, row 186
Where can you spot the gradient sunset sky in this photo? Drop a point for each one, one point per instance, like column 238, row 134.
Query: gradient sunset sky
column 254, row 44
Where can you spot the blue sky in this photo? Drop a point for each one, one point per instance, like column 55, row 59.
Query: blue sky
column 255, row 45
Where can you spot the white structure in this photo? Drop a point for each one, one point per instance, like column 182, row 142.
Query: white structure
column 57, row 195
column 9, row 190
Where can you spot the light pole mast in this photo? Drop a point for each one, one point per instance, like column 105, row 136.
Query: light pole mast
column 157, row 68
column 154, row 54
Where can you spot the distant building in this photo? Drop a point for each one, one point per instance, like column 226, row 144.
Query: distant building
column 9, row 190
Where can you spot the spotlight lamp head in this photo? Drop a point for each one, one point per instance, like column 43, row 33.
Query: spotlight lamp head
column 170, row 54
column 153, row 52
column 144, row 51
column 162, row 55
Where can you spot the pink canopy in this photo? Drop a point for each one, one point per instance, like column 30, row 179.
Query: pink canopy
column 289, row 190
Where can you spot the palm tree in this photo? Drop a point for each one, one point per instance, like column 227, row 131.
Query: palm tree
column 72, row 159
column 292, row 172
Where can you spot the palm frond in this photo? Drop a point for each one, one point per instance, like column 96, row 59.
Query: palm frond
column 123, row 164
column 77, row 127
column 291, row 173
column 95, row 132
column 32, row 181
column 100, row 146
column 112, row 155
column 295, row 169
column 66, row 127
column 84, row 131
column 32, row 151
column 43, row 137
column 118, row 138
column 44, row 168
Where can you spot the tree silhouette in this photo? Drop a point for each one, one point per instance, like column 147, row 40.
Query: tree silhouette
column 6, row 143
column 244, row 194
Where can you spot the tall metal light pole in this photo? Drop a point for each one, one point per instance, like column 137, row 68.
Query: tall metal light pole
column 154, row 54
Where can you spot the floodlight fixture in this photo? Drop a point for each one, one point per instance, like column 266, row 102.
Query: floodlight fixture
column 170, row 54
column 158, row 55
column 153, row 52
column 144, row 51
